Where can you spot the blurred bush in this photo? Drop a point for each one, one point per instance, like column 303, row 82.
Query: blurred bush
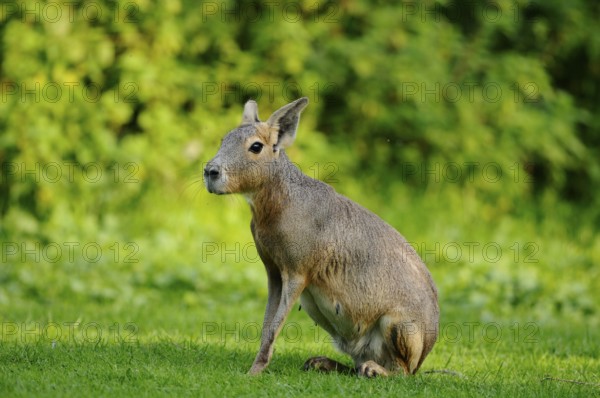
column 109, row 108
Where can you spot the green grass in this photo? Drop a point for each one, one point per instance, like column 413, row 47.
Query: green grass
column 168, row 349
column 175, row 323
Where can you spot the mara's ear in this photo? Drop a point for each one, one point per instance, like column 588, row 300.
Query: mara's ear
column 250, row 115
column 285, row 121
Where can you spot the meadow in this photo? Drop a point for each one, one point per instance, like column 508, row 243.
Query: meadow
column 134, row 328
column 471, row 127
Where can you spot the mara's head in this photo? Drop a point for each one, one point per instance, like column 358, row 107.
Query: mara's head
column 248, row 153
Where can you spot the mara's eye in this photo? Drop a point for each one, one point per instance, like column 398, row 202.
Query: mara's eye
column 256, row 147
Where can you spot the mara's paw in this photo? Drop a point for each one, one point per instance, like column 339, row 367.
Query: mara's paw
column 371, row 369
column 324, row 364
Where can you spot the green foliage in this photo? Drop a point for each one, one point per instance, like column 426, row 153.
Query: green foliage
column 455, row 121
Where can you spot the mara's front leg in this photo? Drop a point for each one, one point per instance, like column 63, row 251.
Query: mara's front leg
column 274, row 295
column 291, row 286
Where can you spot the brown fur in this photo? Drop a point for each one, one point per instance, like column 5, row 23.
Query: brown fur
column 357, row 277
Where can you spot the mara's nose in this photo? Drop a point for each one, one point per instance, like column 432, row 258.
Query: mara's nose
column 211, row 172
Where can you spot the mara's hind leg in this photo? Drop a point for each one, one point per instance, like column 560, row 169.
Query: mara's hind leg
column 409, row 345
column 324, row 364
